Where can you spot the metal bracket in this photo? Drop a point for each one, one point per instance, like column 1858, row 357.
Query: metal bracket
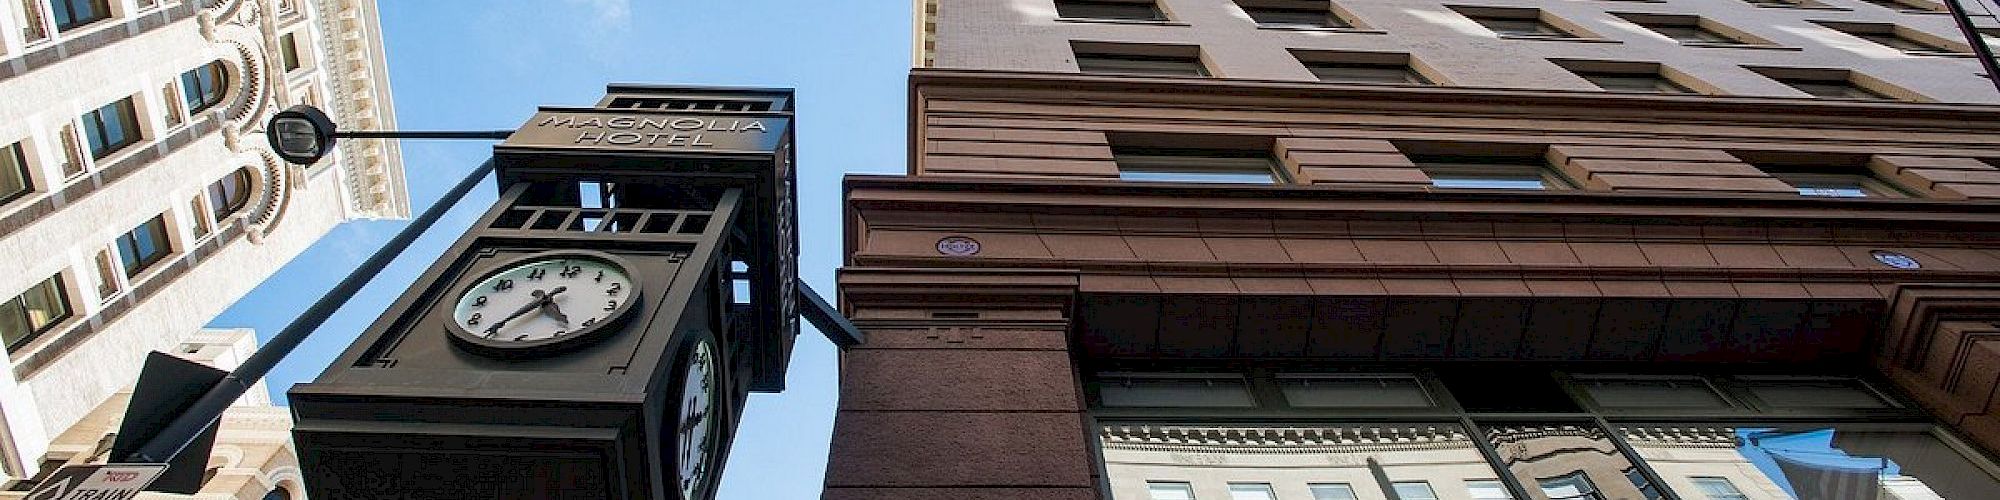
column 827, row 319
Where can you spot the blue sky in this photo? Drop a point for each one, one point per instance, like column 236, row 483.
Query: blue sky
column 486, row 64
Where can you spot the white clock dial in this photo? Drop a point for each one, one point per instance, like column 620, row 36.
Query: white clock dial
column 696, row 419
column 543, row 299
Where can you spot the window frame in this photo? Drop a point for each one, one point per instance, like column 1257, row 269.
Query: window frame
column 1660, row 84
column 1158, row 13
column 60, row 9
column 1289, row 13
column 135, row 263
column 220, row 204
column 1409, row 74
column 199, row 94
column 1099, row 60
column 1145, row 161
column 54, row 287
column 1470, row 171
column 17, row 153
column 95, row 130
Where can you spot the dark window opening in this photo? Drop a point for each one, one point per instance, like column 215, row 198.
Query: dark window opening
column 111, row 128
column 33, row 312
column 1361, row 67
column 14, row 178
column 1292, row 14
column 71, row 14
column 1134, row 59
column 144, row 246
column 1222, row 166
column 1140, row 10
column 203, row 87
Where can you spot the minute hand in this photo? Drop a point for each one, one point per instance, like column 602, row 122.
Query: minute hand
column 540, row 298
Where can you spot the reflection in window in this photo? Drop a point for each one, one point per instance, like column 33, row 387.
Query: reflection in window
column 143, row 246
column 1336, row 461
column 13, row 173
column 1225, row 166
column 1169, row 491
column 1415, row 490
column 1147, row 390
column 1354, row 391
column 1333, row 491
column 111, row 128
column 35, row 311
column 1646, row 487
column 1833, row 462
column 1814, row 393
column 1566, row 460
column 1251, row 491
column 1487, row 489
column 1651, row 392
column 1489, row 172
column 203, row 87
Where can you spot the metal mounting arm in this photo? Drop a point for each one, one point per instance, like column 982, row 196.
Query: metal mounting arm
column 828, row 319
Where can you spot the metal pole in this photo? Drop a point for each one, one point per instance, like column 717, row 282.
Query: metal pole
column 423, row 134
column 1979, row 48
column 204, row 412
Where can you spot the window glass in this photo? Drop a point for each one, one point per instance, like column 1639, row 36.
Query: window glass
column 203, row 87
column 1691, row 33
column 1651, row 392
column 1566, row 460
column 1169, row 491
column 1366, row 73
column 1487, row 489
column 143, row 246
column 1251, row 491
column 1836, row 185
column 288, row 51
column 1646, row 487
column 1336, row 461
column 1196, row 165
column 1331, row 491
column 13, row 173
column 1354, row 391
column 111, row 128
column 74, row 13
column 1451, row 171
column 1109, row 9
column 1814, row 393
column 1283, row 17
column 1634, row 82
column 1836, row 461
column 1521, row 26
column 1897, row 42
column 1836, row 89
column 228, row 195
column 1143, row 390
column 1415, row 490
column 1129, row 64
column 33, row 311
column 1717, row 488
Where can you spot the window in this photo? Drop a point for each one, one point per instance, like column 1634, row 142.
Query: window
column 1354, row 391
column 32, row 312
column 1130, row 10
column 1717, row 488
column 1135, row 59
column 1251, row 491
column 1832, row 181
column 1331, row 491
column 204, row 86
column 1905, row 6
column 1415, row 490
column 1361, row 67
column 1168, row 390
column 288, row 51
column 1651, row 392
column 1777, row 3
column 1644, row 78
column 70, row 14
column 1887, row 35
column 1223, row 166
column 1487, row 489
column 1645, row 486
column 1489, row 172
column 1169, row 491
column 14, row 180
column 228, row 195
column 143, row 246
column 1513, row 22
column 1691, row 30
column 279, row 493
column 1572, row 486
column 1822, row 83
column 1292, row 14
column 1814, row 393
column 111, row 128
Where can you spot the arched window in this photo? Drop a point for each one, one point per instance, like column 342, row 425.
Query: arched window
column 230, row 194
column 204, row 86
column 279, row 493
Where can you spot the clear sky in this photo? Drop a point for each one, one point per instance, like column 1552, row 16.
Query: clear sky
column 486, row 64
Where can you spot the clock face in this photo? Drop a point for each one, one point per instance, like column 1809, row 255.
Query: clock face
column 544, row 299
column 696, row 419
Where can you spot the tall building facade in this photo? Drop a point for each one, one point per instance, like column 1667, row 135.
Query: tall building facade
column 138, row 198
column 1429, row 249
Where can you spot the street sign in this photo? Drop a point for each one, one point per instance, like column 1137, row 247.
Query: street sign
column 97, row 482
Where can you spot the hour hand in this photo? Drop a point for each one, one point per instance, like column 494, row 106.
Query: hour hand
column 550, row 308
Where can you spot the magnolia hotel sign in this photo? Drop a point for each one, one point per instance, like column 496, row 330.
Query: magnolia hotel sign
column 639, row 130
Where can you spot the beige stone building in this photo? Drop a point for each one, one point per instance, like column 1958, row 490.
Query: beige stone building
column 138, row 198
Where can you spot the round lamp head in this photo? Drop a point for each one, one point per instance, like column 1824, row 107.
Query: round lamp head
column 300, row 134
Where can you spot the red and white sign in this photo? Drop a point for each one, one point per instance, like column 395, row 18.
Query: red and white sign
column 97, row 482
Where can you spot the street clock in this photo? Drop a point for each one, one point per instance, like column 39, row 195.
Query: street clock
column 590, row 336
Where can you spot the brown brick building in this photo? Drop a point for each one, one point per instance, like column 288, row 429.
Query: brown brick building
column 1413, row 250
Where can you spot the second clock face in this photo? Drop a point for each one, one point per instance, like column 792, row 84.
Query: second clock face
column 544, row 298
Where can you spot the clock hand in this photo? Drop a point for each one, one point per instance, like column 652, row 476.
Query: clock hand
column 540, row 298
column 550, row 308
column 691, row 421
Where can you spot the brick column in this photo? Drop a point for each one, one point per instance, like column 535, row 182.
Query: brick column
column 964, row 390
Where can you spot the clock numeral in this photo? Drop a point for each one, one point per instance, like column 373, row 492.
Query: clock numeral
column 503, row 285
column 570, row 271
column 600, row 275
column 521, row 338
column 561, row 332
column 610, row 304
column 479, row 301
column 588, row 322
column 615, row 287
column 474, row 320
column 537, row 273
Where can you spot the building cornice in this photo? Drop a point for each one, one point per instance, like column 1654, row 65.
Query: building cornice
column 358, row 72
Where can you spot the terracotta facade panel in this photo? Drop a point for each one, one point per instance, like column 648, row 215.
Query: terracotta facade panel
column 1337, row 175
column 1395, row 251
column 1324, row 159
column 1458, row 252
column 961, row 337
column 1107, row 283
column 1246, row 249
column 1621, row 182
column 1677, row 254
column 1810, row 257
column 1347, row 286
column 1609, row 254
column 957, row 380
column 1010, row 449
column 1169, row 249
column 1587, row 168
column 925, row 243
column 1538, row 253
column 1322, row 251
column 1971, row 191
column 1303, row 144
column 1087, row 247
column 1570, row 152
column 1746, row 256
column 1622, row 288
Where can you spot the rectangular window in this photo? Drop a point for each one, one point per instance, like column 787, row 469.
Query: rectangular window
column 1644, row 83
column 1251, row 491
column 1645, row 486
column 1838, row 177
column 14, row 176
column 1489, row 172
column 33, row 312
column 1807, row 392
column 1905, row 6
column 1822, row 83
column 1487, row 489
column 288, row 51
column 1135, row 59
column 1354, row 391
column 1513, row 22
column 1174, row 390
column 1572, row 486
column 1292, row 14
column 1415, row 490
column 1397, row 74
column 33, row 27
column 70, row 14
column 203, row 87
column 1222, row 166
column 111, row 128
column 144, row 246
column 1331, row 491
column 1169, row 491
column 1717, row 488
column 1128, row 10
column 1651, row 392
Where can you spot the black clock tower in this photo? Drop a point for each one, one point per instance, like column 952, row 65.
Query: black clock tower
column 596, row 333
